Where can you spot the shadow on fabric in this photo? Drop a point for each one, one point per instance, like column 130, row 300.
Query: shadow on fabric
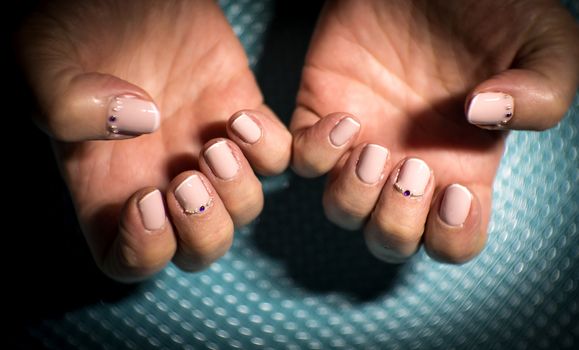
column 292, row 228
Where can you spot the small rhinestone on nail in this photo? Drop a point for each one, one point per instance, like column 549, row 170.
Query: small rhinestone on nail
column 406, row 192
column 201, row 209
column 113, row 129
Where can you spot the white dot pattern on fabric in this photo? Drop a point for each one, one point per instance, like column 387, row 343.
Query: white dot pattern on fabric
column 280, row 291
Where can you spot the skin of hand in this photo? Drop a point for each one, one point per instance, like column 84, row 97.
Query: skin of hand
column 105, row 72
column 405, row 78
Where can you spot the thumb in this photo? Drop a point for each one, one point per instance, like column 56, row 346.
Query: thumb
column 93, row 106
column 537, row 91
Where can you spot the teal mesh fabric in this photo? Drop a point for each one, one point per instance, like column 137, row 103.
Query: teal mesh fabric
column 294, row 281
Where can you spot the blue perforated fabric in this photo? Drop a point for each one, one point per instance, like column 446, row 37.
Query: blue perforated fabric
column 293, row 281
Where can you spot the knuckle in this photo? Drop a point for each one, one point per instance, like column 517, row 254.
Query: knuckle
column 246, row 207
column 451, row 254
column 143, row 261
column 59, row 114
column 558, row 104
column 58, row 125
column 344, row 221
column 341, row 210
column 280, row 161
column 387, row 255
column 196, row 255
column 398, row 234
column 308, row 163
column 126, row 264
column 308, row 166
column 272, row 163
column 347, row 205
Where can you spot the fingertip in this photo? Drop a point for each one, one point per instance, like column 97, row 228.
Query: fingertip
column 131, row 116
column 455, row 232
column 317, row 148
column 145, row 243
column 96, row 106
column 264, row 140
column 229, row 172
column 526, row 98
column 455, row 205
column 490, row 109
column 246, row 126
column 397, row 223
column 203, row 226
column 152, row 210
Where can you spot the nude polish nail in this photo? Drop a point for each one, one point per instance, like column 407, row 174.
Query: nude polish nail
column 246, row 128
column 221, row 160
column 193, row 196
column 371, row 163
column 132, row 116
column 490, row 109
column 343, row 131
column 413, row 178
column 455, row 205
column 152, row 210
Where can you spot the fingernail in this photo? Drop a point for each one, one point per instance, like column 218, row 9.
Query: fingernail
column 455, row 205
column 246, row 128
column 193, row 196
column 490, row 109
column 221, row 160
column 131, row 116
column 413, row 178
column 343, row 131
column 371, row 163
column 152, row 210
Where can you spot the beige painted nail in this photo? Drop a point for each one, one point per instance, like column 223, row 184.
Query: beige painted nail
column 413, row 178
column 371, row 163
column 490, row 109
column 152, row 210
column 221, row 160
column 343, row 131
column 455, row 205
column 193, row 196
column 132, row 116
column 246, row 128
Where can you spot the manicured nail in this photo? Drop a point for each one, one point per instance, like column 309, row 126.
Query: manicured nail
column 371, row 163
column 246, row 128
column 221, row 160
column 152, row 210
column 413, row 178
column 193, row 196
column 131, row 116
column 491, row 109
column 455, row 205
column 343, row 131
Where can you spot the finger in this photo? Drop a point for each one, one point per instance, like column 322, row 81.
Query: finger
column 537, row 91
column 456, row 227
column 204, row 227
column 95, row 106
column 229, row 172
column 318, row 145
column 145, row 242
column 395, row 229
column 264, row 140
column 351, row 196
